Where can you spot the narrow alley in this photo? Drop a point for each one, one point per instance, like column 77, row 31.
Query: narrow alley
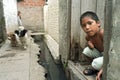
column 56, row 39
column 19, row 64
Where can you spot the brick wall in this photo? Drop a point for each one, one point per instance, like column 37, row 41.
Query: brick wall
column 32, row 14
column 32, row 2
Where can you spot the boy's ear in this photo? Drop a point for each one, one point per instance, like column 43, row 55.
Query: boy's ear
column 99, row 24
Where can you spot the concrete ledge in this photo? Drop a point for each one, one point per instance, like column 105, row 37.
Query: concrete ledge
column 76, row 72
column 38, row 33
column 53, row 47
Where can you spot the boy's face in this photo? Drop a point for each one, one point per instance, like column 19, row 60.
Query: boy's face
column 90, row 26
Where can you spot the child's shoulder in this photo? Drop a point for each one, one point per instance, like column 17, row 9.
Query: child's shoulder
column 101, row 31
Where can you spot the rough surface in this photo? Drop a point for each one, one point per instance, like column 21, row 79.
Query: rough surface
column 19, row 64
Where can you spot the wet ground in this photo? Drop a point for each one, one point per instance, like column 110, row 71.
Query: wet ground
column 55, row 71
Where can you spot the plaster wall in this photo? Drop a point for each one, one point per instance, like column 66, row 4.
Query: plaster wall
column 51, row 25
column 2, row 24
column 53, row 19
column 113, row 66
column 10, row 14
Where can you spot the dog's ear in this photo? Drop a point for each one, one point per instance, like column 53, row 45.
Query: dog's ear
column 24, row 30
column 9, row 37
column 16, row 32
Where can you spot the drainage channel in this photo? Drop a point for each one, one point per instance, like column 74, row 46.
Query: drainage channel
column 54, row 71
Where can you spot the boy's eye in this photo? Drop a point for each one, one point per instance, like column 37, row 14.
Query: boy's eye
column 89, row 23
column 83, row 25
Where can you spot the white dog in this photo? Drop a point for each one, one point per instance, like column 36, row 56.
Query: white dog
column 22, row 34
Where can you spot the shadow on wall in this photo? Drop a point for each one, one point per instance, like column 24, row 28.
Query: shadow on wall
column 19, row 0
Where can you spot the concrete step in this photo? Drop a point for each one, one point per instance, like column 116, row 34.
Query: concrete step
column 76, row 72
column 37, row 33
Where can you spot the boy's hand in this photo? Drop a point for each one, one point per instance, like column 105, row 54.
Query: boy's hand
column 90, row 44
column 99, row 74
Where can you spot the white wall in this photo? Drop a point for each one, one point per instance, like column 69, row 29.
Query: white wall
column 10, row 14
column 53, row 19
column 51, row 25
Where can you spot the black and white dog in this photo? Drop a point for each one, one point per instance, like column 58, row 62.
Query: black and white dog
column 22, row 35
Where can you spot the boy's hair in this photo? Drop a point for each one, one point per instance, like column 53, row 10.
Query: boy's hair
column 90, row 14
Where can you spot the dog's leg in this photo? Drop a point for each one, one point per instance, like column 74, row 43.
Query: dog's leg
column 17, row 40
column 23, row 41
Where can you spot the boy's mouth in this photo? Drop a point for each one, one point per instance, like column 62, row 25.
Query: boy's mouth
column 90, row 33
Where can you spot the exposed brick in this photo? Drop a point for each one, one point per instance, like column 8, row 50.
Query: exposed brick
column 32, row 3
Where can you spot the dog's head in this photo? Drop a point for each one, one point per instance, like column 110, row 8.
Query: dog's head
column 21, row 31
column 11, row 36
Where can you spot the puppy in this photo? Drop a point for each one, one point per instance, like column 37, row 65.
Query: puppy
column 22, row 34
column 13, row 40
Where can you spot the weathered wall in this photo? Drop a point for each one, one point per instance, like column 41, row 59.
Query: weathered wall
column 75, row 23
column 75, row 28
column 51, row 24
column 45, row 18
column 65, row 29
column 10, row 14
column 53, row 28
column 113, row 25
column 2, row 24
column 32, row 14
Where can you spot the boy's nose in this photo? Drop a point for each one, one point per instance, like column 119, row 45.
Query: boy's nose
column 87, row 26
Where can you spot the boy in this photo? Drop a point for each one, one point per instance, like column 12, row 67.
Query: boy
column 19, row 18
column 91, row 26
